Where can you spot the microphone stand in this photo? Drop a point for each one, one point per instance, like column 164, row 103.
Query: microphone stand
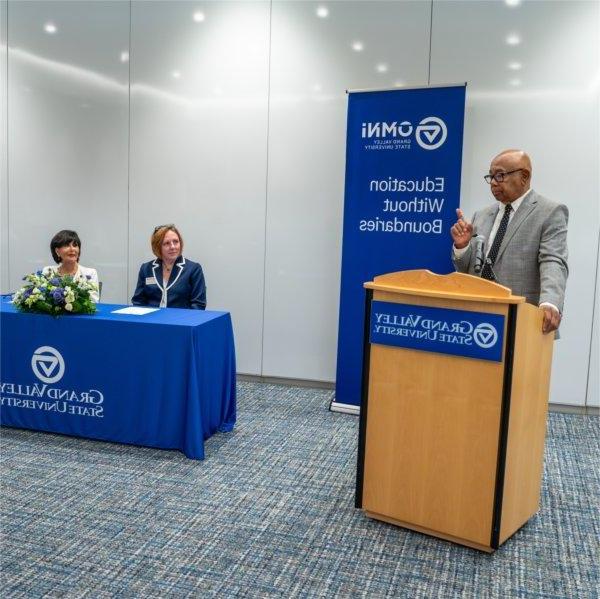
column 490, row 265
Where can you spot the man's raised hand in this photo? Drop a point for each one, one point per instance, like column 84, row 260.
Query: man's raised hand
column 461, row 231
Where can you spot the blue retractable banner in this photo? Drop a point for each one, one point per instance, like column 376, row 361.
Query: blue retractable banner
column 403, row 166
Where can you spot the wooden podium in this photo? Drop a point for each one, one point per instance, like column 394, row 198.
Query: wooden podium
column 452, row 446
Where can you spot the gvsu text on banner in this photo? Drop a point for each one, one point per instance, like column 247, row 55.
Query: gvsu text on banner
column 403, row 166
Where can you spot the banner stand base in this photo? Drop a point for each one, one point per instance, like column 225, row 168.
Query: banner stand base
column 344, row 408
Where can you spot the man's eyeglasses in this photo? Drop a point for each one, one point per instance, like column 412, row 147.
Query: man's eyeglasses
column 169, row 226
column 499, row 177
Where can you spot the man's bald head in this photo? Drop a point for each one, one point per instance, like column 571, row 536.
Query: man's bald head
column 516, row 166
column 518, row 157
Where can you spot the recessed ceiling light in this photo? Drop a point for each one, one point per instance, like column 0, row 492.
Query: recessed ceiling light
column 199, row 16
column 358, row 46
column 50, row 28
column 512, row 3
column 322, row 12
column 381, row 67
column 515, row 66
column 515, row 82
column 124, row 56
column 176, row 74
column 513, row 39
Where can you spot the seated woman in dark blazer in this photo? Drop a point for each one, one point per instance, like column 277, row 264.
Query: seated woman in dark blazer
column 170, row 281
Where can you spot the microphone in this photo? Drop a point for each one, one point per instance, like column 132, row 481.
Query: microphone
column 479, row 253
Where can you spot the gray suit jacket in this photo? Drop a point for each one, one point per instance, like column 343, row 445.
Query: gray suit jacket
column 532, row 259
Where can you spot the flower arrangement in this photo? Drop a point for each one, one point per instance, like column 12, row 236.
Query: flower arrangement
column 54, row 294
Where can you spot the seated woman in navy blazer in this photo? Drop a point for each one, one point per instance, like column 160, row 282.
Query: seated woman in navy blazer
column 170, row 281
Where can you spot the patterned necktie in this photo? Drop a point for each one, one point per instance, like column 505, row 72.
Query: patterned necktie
column 486, row 272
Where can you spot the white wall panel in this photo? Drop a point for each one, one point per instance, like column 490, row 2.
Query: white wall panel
column 552, row 113
column 312, row 64
column 67, row 135
column 198, row 148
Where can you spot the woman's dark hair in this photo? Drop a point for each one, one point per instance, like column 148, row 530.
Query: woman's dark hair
column 61, row 239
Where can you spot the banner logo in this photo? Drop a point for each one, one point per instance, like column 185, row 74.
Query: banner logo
column 431, row 133
column 47, row 364
column 485, row 335
column 383, row 130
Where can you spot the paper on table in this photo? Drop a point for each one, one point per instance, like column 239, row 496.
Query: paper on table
column 136, row 310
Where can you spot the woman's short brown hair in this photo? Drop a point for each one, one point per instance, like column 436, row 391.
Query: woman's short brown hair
column 158, row 236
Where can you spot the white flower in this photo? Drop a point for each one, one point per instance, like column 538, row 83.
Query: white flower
column 68, row 307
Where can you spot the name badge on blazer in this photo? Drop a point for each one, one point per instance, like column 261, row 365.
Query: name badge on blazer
column 151, row 281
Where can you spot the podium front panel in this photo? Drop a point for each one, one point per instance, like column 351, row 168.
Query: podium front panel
column 433, row 433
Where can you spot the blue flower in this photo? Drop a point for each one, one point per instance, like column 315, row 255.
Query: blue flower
column 57, row 295
column 27, row 293
column 38, row 273
column 55, row 281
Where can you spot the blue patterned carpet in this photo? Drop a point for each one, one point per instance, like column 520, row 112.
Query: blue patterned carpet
column 270, row 513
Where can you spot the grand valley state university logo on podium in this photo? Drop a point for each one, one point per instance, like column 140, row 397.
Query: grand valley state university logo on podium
column 441, row 330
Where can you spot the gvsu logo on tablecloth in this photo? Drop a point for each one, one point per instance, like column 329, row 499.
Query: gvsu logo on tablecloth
column 430, row 134
column 48, row 364
column 440, row 330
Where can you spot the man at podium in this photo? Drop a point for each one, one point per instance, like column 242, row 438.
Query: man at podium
column 519, row 242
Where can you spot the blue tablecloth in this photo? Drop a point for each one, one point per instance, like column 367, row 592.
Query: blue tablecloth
column 165, row 379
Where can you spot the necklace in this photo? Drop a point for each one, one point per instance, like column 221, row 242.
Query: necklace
column 62, row 271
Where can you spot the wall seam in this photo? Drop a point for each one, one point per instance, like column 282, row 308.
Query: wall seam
column 128, row 157
column 430, row 42
column 262, row 337
column 8, row 279
column 593, row 332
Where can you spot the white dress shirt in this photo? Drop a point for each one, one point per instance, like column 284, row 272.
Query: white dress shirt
column 515, row 206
